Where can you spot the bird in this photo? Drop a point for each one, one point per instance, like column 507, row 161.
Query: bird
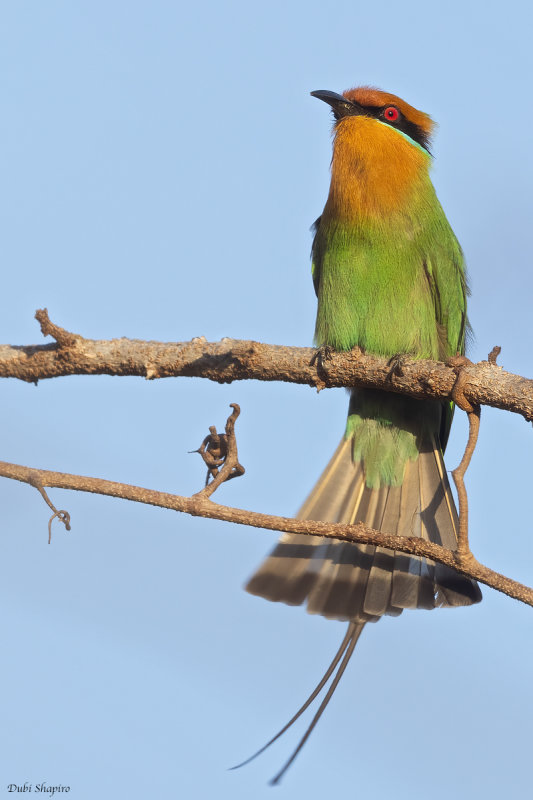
column 390, row 279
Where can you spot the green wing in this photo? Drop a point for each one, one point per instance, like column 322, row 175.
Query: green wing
column 445, row 271
column 315, row 268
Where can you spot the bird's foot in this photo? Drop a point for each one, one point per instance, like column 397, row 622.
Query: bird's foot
column 396, row 365
column 322, row 354
column 458, row 364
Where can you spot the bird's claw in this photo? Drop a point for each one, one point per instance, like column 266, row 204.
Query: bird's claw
column 396, row 365
column 322, row 354
column 458, row 363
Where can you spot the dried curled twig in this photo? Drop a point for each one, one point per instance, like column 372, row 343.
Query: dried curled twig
column 219, row 452
column 35, row 480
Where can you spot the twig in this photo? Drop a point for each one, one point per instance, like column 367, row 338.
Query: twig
column 34, row 479
column 204, row 507
column 459, row 364
column 63, row 337
column 213, row 450
column 493, row 355
column 220, row 450
column 233, row 359
column 458, row 474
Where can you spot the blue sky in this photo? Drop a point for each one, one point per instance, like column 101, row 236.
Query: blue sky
column 161, row 165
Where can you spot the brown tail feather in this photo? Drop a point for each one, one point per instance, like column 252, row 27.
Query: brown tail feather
column 360, row 582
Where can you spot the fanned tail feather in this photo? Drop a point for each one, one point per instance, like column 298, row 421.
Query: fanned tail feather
column 353, row 582
column 357, row 582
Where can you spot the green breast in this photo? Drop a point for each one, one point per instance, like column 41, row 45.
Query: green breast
column 374, row 292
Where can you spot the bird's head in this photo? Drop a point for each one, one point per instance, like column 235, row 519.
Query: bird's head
column 380, row 152
column 384, row 108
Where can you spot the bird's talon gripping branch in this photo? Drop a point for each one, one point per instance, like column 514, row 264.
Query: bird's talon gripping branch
column 396, row 365
column 219, row 452
column 458, row 363
column 322, row 354
column 61, row 514
column 320, row 358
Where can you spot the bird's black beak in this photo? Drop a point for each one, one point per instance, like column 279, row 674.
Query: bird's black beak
column 340, row 105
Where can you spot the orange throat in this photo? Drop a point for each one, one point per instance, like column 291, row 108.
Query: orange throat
column 375, row 172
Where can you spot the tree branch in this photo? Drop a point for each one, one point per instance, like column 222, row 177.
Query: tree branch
column 202, row 506
column 469, row 385
column 234, row 359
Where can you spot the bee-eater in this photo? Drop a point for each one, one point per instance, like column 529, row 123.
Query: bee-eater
column 390, row 278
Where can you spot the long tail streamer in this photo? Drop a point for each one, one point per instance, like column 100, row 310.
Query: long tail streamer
column 344, row 652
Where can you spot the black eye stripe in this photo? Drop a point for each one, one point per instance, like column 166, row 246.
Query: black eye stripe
column 412, row 130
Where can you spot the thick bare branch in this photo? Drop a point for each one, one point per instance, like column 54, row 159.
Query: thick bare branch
column 201, row 506
column 233, row 359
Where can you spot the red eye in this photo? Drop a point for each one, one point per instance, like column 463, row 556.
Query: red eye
column 391, row 114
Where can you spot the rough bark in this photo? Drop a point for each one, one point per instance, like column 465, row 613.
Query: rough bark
column 230, row 360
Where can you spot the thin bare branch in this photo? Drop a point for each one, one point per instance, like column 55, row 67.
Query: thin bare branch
column 233, row 359
column 458, row 474
column 203, row 507
column 459, row 364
